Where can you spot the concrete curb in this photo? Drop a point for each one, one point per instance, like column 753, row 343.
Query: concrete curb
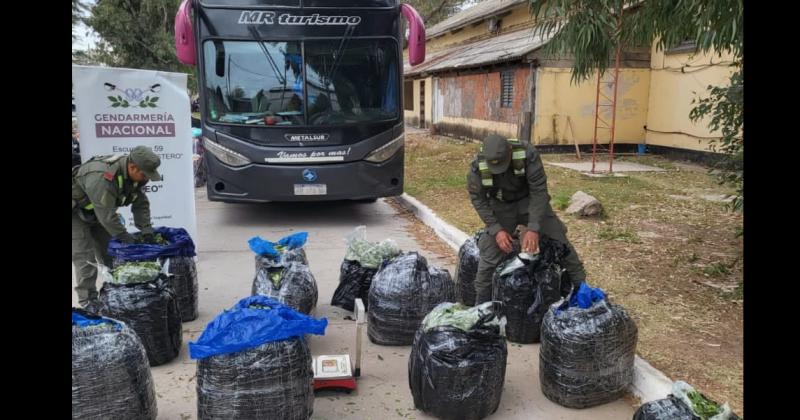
column 449, row 233
column 648, row 382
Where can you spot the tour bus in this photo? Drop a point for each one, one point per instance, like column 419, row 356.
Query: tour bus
column 301, row 100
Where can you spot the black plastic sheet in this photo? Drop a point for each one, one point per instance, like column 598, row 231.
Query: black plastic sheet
column 110, row 374
column 665, row 409
column 183, row 278
column 527, row 292
column 294, row 255
column 291, row 284
column 467, row 269
column 403, row 291
column 456, row 374
column 271, row 381
column 151, row 310
column 354, row 283
column 586, row 357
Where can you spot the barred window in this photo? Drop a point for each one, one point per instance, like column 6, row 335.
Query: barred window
column 507, row 88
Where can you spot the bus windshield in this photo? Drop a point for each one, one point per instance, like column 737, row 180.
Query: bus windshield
column 320, row 82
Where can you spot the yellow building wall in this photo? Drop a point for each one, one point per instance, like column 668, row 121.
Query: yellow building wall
column 557, row 99
column 428, row 102
column 672, row 92
column 412, row 116
column 482, row 126
column 518, row 18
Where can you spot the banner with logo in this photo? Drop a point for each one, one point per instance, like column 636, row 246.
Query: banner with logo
column 119, row 109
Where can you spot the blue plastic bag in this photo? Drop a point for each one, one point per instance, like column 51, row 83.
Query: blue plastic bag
column 586, row 297
column 264, row 247
column 84, row 320
column 242, row 327
column 180, row 245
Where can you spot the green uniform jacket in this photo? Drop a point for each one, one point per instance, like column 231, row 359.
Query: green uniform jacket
column 106, row 187
column 522, row 200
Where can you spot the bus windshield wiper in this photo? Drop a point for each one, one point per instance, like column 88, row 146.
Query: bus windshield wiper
column 275, row 68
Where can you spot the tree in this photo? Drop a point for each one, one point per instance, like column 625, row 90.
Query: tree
column 725, row 106
column 435, row 11
column 136, row 34
column 591, row 31
column 77, row 14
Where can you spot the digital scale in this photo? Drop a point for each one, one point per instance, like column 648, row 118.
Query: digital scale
column 336, row 371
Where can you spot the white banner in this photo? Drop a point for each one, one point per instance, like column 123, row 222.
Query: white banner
column 119, row 109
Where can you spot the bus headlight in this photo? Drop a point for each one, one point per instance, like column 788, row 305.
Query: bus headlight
column 386, row 151
column 225, row 155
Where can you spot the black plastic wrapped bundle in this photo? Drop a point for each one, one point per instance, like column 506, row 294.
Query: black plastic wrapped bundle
column 586, row 357
column 178, row 254
column 287, row 257
column 361, row 261
column 467, row 269
column 354, row 283
column 110, row 374
column 684, row 403
column 150, row 309
column 670, row 408
column 293, row 284
column 665, row 409
column 403, row 291
column 295, row 255
column 527, row 291
column 183, row 278
column 442, row 286
column 458, row 374
column 271, row 381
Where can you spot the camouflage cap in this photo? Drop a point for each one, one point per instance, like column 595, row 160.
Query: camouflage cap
column 147, row 161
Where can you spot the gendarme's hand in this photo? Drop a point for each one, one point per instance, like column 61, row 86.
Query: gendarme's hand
column 125, row 238
column 503, row 240
column 530, row 242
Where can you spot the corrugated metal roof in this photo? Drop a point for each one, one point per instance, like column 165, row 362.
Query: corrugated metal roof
column 475, row 13
column 508, row 46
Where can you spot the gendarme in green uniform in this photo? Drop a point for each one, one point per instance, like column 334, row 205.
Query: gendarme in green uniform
column 508, row 187
column 99, row 187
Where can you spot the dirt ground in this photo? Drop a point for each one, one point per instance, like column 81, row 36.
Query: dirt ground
column 665, row 249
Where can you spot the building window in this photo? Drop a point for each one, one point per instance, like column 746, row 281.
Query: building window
column 507, row 89
column 408, row 95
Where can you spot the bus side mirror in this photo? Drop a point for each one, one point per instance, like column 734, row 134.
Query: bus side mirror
column 416, row 36
column 184, row 36
column 219, row 64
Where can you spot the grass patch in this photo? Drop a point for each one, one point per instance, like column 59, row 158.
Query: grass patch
column 686, row 259
column 738, row 292
column 615, row 234
column 560, row 200
column 717, row 269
